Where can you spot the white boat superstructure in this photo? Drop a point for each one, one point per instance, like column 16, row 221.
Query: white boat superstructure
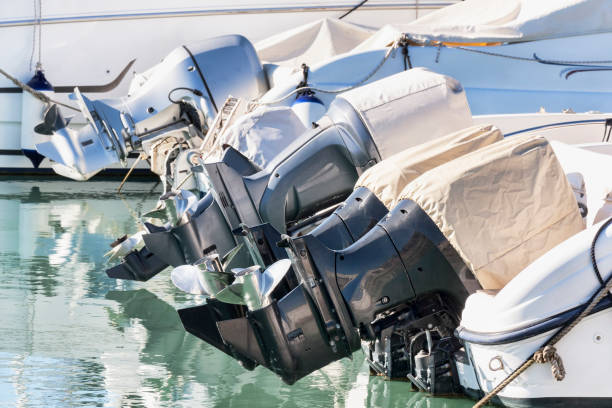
column 99, row 46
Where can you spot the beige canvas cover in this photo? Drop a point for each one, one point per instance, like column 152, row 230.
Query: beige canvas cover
column 311, row 43
column 501, row 207
column 389, row 177
column 410, row 108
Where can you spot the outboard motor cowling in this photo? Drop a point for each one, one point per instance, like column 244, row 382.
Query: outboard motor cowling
column 362, row 127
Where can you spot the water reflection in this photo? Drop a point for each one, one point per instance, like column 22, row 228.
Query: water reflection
column 69, row 336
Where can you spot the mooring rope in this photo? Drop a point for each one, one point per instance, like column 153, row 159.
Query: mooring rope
column 390, row 52
column 37, row 94
column 548, row 353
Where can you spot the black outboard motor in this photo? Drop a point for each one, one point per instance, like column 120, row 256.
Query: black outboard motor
column 401, row 277
column 399, row 239
column 399, row 290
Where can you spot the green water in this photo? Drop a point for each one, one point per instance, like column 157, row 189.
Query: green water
column 70, row 336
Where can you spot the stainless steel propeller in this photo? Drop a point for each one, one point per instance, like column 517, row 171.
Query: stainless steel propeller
column 252, row 287
column 205, row 277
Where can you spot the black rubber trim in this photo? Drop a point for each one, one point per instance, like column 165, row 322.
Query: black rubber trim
column 83, row 88
column 19, row 152
column 195, row 63
column 106, row 173
column 11, row 152
column 526, row 332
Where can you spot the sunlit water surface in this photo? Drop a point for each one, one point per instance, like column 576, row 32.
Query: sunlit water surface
column 71, row 336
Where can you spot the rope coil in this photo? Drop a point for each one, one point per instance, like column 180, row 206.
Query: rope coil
column 549, row 354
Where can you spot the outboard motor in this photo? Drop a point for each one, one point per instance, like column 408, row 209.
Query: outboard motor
column 355, row 218
column 347, row 296
column 399, row 290
column 319, row 168
column 375, row 191
column 203, row 74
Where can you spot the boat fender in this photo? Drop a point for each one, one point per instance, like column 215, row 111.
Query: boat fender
column 32, row 110
column 306, row 105
column 309, row 109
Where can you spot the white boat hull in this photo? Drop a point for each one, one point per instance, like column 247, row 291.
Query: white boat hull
column 586, row 352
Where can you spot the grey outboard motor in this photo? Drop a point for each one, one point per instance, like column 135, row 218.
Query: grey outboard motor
column 319, row 169
column 204, row 73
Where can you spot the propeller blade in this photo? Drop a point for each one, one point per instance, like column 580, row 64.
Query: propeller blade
column 233, row 294
column 188, row 278
column 271, row 278
column 253, row 287
column 119, row 251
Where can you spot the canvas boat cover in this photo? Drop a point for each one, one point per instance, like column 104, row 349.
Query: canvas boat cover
column 262, row 134
column 389, row 177
column 493, row 21
column 501, row 207
column 410, row 108
column 311, row 43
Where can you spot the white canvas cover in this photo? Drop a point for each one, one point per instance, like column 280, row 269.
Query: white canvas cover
column 501, row 207
column 410, row 108
column 389, row 177
column 263, row 133
column 311, row 43
column 485, row 21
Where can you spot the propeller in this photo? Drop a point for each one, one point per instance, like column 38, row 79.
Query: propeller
column 252, row 287
column 174, row 207
column 188, row 278
column 205, row 277
column 126, row 246
column 53, row 120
